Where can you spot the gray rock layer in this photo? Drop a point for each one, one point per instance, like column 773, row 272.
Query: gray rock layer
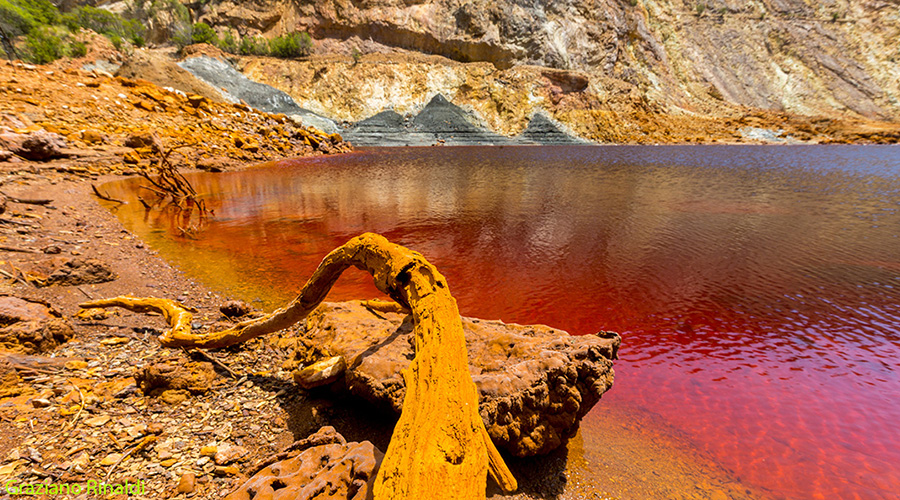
column 535, row 382
column 442, row 122
column 222, row 75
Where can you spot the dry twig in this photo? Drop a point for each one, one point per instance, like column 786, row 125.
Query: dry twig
column 148, row 439
column 215, row 361
column 78, row 414
column 105, row 196
column 26, row 201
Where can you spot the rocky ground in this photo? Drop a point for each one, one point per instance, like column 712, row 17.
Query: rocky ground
column 73, row 404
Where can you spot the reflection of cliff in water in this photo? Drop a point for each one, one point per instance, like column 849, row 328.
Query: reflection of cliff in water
column 748, row 282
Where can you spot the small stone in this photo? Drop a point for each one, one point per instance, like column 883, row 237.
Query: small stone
column 76, row 365
column 131, row 158
column 174, row 396
column 168, row 462
column 208, row 451
column 97, row 421
column 112, row 458
column 40, row 403
column 81, row 460
column 235, row 309
column 226, row 471
column 231, row 454
column 163, row 454
column 187, row 483
column 115, row 340
column 51, row 250
column 202, row 461
column 91, row 136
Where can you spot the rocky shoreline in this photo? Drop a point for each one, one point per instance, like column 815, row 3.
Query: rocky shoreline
column 93, row 396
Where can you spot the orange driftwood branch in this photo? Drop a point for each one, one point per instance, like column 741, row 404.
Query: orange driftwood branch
column 440, row 447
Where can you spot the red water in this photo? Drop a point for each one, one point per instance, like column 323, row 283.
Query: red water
column 757, row 289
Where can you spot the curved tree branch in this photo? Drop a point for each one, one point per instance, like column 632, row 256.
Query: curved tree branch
column 440, row 447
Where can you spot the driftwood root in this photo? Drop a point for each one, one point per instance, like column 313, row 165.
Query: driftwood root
column 440, row 447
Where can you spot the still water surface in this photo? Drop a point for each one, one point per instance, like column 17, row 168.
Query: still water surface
column 757, row 289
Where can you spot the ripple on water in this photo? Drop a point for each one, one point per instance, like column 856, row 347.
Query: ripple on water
column 756, row 289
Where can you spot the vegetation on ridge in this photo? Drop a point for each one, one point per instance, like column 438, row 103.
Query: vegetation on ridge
column 37, row 31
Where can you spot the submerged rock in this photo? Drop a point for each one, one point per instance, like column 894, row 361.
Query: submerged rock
column 535, row 382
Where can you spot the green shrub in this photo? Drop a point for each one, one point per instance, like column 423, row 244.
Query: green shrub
column 203, row 33
column 108, row 24
column 14, row 19
column 228, row 43
column 77, row 49
column 253, row 46
column 291, row 45
column 43, row 45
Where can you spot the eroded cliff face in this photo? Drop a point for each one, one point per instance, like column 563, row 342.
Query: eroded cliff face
column 665, row 58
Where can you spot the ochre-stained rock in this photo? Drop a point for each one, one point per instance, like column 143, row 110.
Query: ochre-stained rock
column 31, row 326
column 81, row 272
column 535, row 382
column 323, row 466
column 235, row 309
column 174, row 376
column 41, row 145
column 10, row 382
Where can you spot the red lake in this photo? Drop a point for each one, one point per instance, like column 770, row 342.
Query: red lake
column 756, row 288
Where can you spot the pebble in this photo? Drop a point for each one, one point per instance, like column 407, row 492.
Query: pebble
column 40, row 403
column 97, row 421
column 187, row 483
column 76, row 365
column 231, row 454
column 111, row 459
column 226, row 471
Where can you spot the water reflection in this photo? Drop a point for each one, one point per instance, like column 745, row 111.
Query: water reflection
column 756, row 287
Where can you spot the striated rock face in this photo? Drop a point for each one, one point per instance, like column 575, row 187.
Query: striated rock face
column 809, row 57
column 535, row 382
column 322, row 466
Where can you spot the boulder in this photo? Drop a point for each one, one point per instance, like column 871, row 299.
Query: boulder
column 40, row 145
column 81, row 272
column 535, row 382
column 323, row 466
column 31, row 326
column 174, row 378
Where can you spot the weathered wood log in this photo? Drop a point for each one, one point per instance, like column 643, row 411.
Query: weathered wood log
column 440, row 447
